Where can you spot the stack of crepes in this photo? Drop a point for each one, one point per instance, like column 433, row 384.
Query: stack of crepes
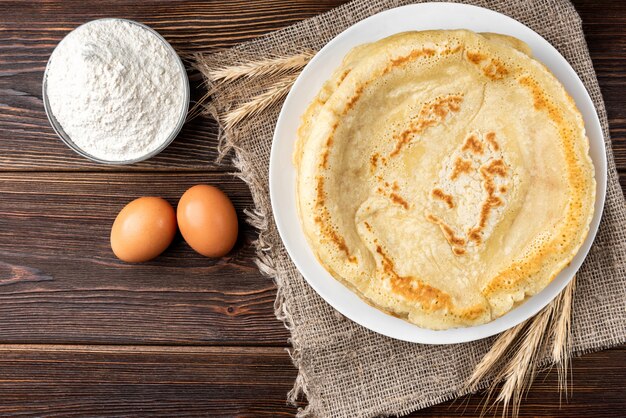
column 444, row 176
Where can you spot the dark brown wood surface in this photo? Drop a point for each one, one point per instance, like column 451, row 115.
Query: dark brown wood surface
column 82, row 333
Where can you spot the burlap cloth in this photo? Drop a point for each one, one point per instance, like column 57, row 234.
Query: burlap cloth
column 344, row 369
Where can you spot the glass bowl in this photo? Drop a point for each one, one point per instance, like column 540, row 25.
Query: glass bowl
column 179, row 125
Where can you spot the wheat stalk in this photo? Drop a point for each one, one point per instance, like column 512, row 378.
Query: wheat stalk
column 262, row 68
column 260, row 102
column 273, row 66
column 562, row 336
column 198, row 107
column 518, row 373
column 520, row 369
column 495, row 353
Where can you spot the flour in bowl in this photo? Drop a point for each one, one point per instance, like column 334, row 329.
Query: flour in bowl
column 116, row 88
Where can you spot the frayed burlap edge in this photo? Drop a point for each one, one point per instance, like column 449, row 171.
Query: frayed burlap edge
column 258, row 218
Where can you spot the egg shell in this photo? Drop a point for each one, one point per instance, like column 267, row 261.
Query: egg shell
column 143, row 229
column 207, row 220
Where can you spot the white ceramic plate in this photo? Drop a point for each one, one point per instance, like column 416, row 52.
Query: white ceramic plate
column 282, row 173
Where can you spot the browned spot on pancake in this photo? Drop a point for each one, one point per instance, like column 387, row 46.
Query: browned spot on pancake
column 417, row 53
column 322, row 219
column 540, row 100
column 458, row 251
column 450, row 51
column 495, row 70
column 460, row 166
column 404, row 138
column 473, row 312
column 472, row 144
column 485, row 209
column 448, row 232
column 490, row 203
column 503, row 189
column 396, row 198
column 319, row 101
column 343, row 76
column 488, row 172
column 412, row 288
column 324, row 163
column 431, row 114
column 475, row 236
column 339, row 241
column 374, row 162
column 491, row 138
column 392, row 194
column 329, row 144
column 350, row 103
column 367, row 226
column 332, row 235
column 475, row 57
column 320, row 191
column 495, row 167
column 441, row 195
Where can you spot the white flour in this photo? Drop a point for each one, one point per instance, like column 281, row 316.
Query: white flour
column 116, row 90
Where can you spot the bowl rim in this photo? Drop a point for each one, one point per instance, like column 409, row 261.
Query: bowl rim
column 67, row 140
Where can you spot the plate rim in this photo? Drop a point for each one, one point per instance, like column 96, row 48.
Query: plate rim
column 453, row 335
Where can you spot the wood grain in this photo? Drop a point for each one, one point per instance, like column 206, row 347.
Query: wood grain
column 12, row 274
column 83, row 334
column 233, row 381
column 60, row 224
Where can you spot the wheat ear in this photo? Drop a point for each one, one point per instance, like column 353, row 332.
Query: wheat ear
column 262, row 68
column 260, row 102
column 198, row 107
column 520, row 369
column 495, row 354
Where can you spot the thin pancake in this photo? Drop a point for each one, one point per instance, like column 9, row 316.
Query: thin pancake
column 444, row 176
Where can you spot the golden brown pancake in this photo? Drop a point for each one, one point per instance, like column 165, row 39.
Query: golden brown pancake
column 444, row 176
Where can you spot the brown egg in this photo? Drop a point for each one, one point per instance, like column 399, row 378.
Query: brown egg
column 143, row 229
column 207, row 220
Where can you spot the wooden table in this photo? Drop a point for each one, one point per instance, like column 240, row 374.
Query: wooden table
column 83, row 333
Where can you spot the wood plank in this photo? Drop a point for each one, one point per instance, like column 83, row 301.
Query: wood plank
column 60, row 223
column 235, row 381
column 99, row 381
column 602, row 22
